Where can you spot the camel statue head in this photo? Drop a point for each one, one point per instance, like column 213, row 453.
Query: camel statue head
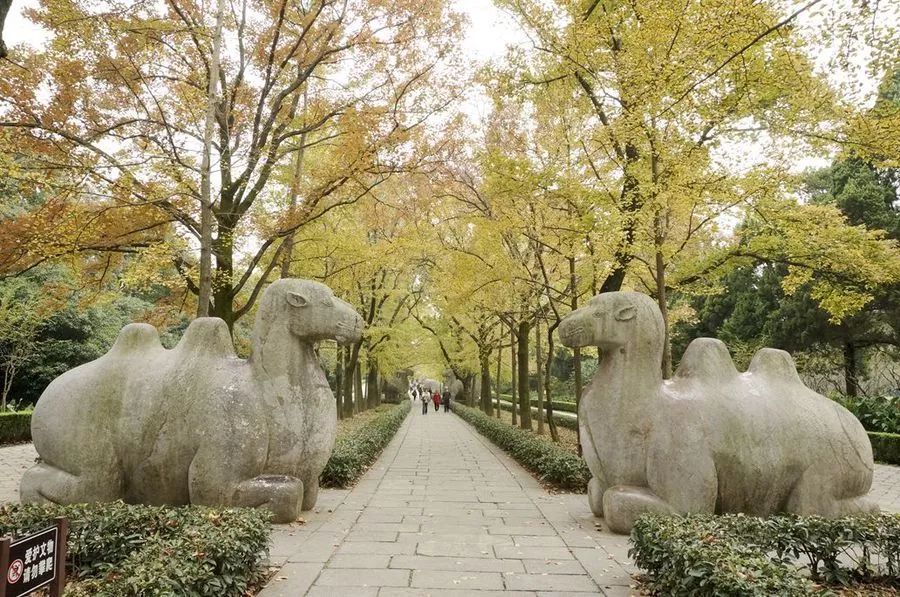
column 613, row 320
column 310, row 311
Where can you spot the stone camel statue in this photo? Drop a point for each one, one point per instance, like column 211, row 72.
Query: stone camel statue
column 196, row 424
column 711, row 439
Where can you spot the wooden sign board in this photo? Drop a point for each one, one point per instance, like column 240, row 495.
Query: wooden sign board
column 34, row 562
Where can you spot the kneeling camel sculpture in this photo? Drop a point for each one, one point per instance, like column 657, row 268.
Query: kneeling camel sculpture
column 196, row 424
column 711, row 439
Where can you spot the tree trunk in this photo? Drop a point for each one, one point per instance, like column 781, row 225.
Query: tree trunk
column 339, row 381
column 524, row 392
column 359, row 403
column 372, row 384
column 499, row 367
column 576, row 353
column 513, row 380
column 851, row 377
column 212, row 94
column 349, row 360
column 539, row 364
column 548, row 366
column 469, row 387
column 288, row 251
column 662, row 301
column 223, row 285
column 487, row 404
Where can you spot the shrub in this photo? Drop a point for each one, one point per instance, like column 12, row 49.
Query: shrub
column 886, row 447
column 880, row 414
column 15, row 427
column 354, row 453
column 118, row 549
column 551, row 463
column 744, row 555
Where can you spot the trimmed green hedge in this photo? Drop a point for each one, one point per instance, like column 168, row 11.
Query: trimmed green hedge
column 551, row 463
column 354, row 453
column 563, row 405
column 886, row 447
column 117, row 549
column 567, row 422
column 745, row 555
column 15, row 427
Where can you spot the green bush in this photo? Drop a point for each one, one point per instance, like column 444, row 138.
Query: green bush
column 744, row 555
column 553, row 464
column 116, row 549
column 880, row 414
column 886, row 447
column 15, row 427
column 558, row 404
column 354, row 453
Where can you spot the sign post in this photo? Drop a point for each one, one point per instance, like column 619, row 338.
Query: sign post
column 35, row 562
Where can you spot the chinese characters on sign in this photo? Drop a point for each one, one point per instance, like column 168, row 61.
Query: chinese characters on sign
column 34, row 562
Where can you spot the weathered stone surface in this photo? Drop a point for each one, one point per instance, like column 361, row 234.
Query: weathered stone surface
column 711, row 439
column 196, row 424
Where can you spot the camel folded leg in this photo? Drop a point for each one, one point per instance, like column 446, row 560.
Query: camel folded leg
column 825, row 493
column 596, row 489
column 623, row 504
column 44, row 483
column 280, row 494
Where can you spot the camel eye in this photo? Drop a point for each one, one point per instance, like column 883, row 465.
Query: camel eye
column 626, row 314
column 598, row 313
column 296, row 299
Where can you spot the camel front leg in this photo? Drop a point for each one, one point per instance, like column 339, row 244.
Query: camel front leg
column 623, row 504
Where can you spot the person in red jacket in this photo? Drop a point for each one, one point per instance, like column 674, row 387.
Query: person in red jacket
column 436, row 398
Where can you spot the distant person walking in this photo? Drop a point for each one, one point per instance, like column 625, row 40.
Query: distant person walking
column 423, row 396
column 436, row 398
column 446, row 400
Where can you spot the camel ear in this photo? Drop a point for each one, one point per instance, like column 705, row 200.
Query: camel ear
column 626, row 314
column 295, row 299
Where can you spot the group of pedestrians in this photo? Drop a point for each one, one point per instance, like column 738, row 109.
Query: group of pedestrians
column 418, row 391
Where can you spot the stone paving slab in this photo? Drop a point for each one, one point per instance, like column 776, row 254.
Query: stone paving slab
column 445, row 513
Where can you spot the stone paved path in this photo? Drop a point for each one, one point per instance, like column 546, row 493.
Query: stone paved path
column 445, row 513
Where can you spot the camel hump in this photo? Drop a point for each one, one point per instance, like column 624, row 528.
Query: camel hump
column 207, row 336
column 708, row 360
column 774, row 364
column 135, row 338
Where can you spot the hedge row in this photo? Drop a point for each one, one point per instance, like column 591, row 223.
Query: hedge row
column 15, row 427
column 886, row 447
column 745, row 555
column 550, row 462
column 354, row 453
column 562, row 421
column 563, row 405
column 117, row 549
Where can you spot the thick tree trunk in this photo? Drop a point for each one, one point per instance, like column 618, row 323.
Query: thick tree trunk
column 499, row 367
column 662, row 301
column 372, row 384
column 576, row 353
column 539, row 364
column 349, row 361
column 223, row 285
column 487, row 404
column 339, row 381
column 212, row 94
column 514, row 380
column 469, row 387
column 359, row 402
column 4, row 8
column 524, row 391
column 851, row 370
column 548, row 366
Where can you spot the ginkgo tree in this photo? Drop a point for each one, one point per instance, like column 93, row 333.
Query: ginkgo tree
column 115, row 104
